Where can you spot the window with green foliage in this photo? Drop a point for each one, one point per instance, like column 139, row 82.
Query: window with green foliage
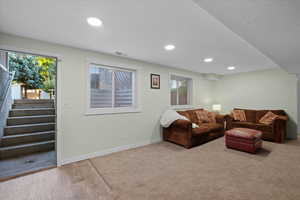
column 33, row 72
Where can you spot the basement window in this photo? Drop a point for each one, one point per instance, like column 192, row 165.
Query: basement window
column 111, row 90
column 180, row 91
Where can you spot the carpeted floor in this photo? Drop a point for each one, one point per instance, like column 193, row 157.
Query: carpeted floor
column 165, row 171
column 209, row 171
column 76, row 181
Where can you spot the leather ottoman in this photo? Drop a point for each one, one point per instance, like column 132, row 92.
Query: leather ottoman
column 243, row 139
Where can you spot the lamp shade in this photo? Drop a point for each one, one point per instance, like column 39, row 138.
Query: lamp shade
column 216, row 107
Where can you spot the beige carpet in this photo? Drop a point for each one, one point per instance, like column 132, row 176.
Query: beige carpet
column 210, row 171
column 166, row 171
column 77, row 181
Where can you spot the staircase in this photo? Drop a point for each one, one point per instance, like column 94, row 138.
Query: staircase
column 30, row 129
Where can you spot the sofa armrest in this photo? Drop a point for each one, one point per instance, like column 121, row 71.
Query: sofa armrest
column 180, row 123
column 179, row 132
column 229, row 119
column 279, row 126
column 220, row 118
column 282, row 117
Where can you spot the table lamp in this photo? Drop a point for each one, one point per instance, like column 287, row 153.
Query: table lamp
column 216, row 107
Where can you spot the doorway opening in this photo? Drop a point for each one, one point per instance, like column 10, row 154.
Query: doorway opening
column 28, row 113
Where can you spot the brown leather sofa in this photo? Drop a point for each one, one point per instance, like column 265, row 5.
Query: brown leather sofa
column 182, row 133
column 275, row 132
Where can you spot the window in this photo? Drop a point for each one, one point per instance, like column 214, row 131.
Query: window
column 180, row 90
column 111, row 89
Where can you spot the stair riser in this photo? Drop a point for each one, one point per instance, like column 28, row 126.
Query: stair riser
column 27, row 139
column 31, row 101
column 20, row 113
column 35, row 120
column 21, row 106
column 29, row 129
column 26, row 150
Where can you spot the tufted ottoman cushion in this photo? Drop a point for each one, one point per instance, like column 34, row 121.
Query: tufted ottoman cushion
column 243, row 139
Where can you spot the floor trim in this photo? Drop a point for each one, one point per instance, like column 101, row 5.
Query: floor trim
column 107, row 151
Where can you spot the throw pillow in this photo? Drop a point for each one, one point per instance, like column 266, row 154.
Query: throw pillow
column 268, row 118
column 202, row 116
column 239, row 115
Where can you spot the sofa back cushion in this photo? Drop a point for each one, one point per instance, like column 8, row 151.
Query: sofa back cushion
column 190, row 114
column 193, row 116
column 261, row 113
column 202, row 116
column 184, row 113
column 250, row 114
column 212, row 117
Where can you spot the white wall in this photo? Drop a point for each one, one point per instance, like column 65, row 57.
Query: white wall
column 298, row 85
column 79, row 134
column 16, row 91
column 267, row 89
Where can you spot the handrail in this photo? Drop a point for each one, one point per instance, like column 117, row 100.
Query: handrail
column 6, row 90
column 3, row 68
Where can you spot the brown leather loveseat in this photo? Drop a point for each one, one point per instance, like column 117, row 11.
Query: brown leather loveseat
column 182, row 133
column 275, row 132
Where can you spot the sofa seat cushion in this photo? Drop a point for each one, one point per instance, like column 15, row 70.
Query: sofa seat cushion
column 200, row 130
column 244, row 125
column 207, row 128
column 263, row 127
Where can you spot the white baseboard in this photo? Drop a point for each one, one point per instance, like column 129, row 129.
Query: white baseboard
column 106, row 152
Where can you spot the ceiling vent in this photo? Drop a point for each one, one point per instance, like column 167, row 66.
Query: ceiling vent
column 119, row 53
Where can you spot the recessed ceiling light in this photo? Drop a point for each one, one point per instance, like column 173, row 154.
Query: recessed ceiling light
column 231, row 68
column 94, row 21
column 169, row 47
column 208, row 60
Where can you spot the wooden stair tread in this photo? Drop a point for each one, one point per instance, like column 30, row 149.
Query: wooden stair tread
column 26, row 145
column 30, row 129
column 33, row 100
column 27, row 134
column 31, row 116
column 28, row 125
column 25, row 109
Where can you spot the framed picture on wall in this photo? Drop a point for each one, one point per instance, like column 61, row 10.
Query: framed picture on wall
column 155, row 81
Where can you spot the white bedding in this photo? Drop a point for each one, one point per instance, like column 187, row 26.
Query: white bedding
column 169, row 117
